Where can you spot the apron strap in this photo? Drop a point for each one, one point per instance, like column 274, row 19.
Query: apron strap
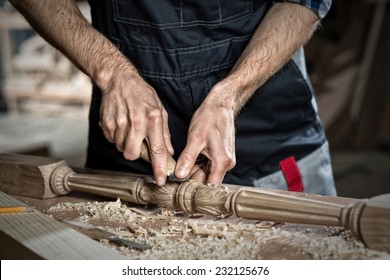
column 292, row 174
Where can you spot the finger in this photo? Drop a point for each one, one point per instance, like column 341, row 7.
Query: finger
column 187, row 158
column 108, row 121
column 159, row 156
column 135, row 133
column 167, row 134
column 216, row 177
column 132, row 146
column 157, row 147
column 108, row 127
column 218, row 169
column 198, row 174
column 119, row 137
column 122, row 126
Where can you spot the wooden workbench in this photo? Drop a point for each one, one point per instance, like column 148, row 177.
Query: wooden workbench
column 180, row 236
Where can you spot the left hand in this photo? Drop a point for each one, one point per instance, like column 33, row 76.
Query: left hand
column 211, row 136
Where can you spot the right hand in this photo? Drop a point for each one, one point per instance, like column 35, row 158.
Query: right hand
column 130, row 112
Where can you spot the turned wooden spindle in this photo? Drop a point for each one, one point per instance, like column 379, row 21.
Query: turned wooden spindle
column 38, row 177
column 368, row 219
column 63, row 180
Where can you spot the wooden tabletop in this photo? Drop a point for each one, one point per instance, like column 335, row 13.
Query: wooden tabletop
column 175, row 235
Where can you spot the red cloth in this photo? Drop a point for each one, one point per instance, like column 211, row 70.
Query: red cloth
column 292, row 174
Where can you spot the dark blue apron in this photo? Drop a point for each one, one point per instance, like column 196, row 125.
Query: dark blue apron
column 182, row 48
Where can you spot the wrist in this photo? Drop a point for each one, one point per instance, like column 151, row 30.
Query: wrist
column 109, row 73
column 231, row 93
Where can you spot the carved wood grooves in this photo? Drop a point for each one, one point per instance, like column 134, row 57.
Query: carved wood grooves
column 254, row 203
column 368, row 219
column 193, row 197
column 64, row 180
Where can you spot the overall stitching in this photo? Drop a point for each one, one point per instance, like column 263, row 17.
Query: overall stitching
column 185, row 50
column 184, row 75
column 181, row 23
column 224, row 48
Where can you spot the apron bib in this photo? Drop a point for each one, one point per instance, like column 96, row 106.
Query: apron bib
column 183, row 48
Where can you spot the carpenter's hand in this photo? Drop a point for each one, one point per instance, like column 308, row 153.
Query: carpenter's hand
column 131, row 112
column 210, row 149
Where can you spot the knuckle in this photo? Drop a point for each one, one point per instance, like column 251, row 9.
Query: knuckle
column 186, row 156
column 199, row 137
column 158, row 149
column 108, row 122
column 159, row 170
column 226, row 163
column 135, row 121
column 231, row 163
column 121, row 122
column 128, row 155
column 165, row 114
column 155, row 116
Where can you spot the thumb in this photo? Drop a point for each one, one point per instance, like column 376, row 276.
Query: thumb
column 186, row 160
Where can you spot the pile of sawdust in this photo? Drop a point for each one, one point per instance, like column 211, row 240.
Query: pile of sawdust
column 174, row 235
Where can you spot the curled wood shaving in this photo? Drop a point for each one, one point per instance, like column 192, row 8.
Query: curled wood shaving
column 138, row 211
column 265, row 224
column 113, row 205
column 138, row 231
column 175, row 235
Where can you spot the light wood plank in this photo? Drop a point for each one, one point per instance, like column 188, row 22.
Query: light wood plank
column 34, row 235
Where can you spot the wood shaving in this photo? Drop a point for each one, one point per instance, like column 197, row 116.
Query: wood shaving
column 175, row 235
column 265, row 224
column 113, row 205
column 138, row 231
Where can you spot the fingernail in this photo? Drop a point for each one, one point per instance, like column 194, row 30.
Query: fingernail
column 181, row 172
column 160, row 182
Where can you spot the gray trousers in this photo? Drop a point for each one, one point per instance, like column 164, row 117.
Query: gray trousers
column 316, row 172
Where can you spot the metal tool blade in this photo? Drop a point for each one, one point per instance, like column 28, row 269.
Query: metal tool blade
column 129, row 243
column 98, row 233
column 173, row 178
column 145, row 155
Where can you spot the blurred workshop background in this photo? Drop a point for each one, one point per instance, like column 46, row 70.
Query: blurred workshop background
column 44, row 99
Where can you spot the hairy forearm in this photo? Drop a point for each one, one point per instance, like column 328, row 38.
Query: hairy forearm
column 63, row 26
column 285, row 28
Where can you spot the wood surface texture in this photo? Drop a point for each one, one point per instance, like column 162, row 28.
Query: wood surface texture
column 176, row 235
column 34, row 235
column 368, row 219
column 28, row 176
